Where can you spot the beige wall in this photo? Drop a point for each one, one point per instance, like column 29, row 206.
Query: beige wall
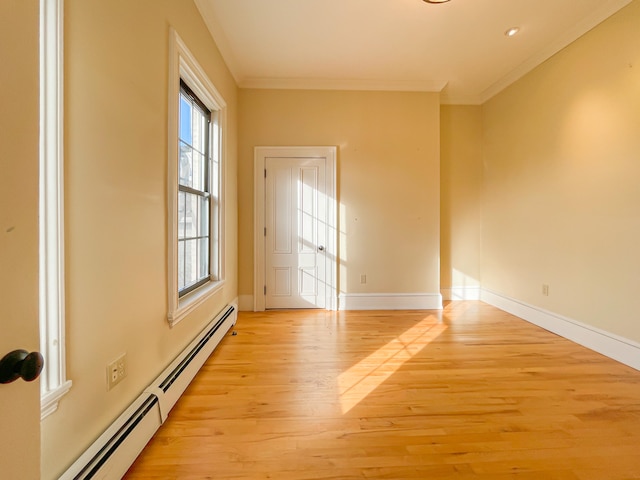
column 19, row 401
column 388, row 179
column 559, row 200
column 562, row 190
column 461, row 197
column 116, row 77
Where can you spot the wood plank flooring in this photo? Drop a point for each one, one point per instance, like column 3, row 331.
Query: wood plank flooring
column 469, row 392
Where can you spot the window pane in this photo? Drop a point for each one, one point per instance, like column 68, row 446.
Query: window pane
column 185, row 166
column 199, row 130
column 204, row 217
column 203, row 267
column 191, row 220
column 185, row 120
column 181, row 214
column 190, row 262
column 198, row 172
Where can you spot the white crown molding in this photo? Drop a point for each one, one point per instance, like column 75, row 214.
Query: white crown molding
column 606, row 10
column 390, row 301
column 613, row 346
column 434, row 86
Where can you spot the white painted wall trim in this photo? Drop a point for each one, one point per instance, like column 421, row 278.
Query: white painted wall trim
column 390, row 301
column 53, row 381
column 613, row 346
column 461, row 293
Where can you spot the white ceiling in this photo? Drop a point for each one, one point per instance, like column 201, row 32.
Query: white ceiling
column 458, row 48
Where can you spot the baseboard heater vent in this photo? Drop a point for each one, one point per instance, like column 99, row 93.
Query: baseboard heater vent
column 111, row 455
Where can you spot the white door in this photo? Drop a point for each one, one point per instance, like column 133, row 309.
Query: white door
column 19, row 401
column 296, row 232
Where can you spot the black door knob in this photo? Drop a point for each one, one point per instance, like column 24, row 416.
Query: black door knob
column 21, row 364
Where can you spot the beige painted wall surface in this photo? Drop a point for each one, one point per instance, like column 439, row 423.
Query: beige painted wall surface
column 562, row 190
column 116, row 69
column 20, row 401
column 388, row 179
column 461, row 195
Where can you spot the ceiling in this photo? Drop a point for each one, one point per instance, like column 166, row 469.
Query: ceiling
column 457, row 48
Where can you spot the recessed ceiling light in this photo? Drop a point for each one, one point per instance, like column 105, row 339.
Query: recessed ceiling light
column 512, row 31
column 436, row 1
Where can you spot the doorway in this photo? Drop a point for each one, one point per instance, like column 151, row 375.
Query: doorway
column 295, row 228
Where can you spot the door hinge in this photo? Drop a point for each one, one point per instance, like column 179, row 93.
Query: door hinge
column 265, row 231
column 265, row 289
column 265, row 173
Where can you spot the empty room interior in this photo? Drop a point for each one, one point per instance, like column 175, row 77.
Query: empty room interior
column 307, row 239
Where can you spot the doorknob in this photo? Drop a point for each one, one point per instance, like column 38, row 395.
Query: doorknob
column 321, row 248
column 21, row 364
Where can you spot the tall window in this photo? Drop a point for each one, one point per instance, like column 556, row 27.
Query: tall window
column 197, row 115
column 194, row 192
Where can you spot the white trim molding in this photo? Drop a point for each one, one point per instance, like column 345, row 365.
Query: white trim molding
column 343, row 84
column 183, row 65
column 613, row 346
column 390, row 301
column 53, row 381
column 259, row 222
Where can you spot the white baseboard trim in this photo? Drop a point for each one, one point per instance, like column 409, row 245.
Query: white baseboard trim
column 461, row 293
column 390, row 301
column 245, row 303
column 611, row 345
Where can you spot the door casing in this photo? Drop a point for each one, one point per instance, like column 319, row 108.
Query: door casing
column 259, row 275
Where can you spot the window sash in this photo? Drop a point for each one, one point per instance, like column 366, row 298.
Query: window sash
column 194, row 221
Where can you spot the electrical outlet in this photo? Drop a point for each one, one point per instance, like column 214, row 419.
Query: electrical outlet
column 116, row 371
column 545, row 290
column 363, row 278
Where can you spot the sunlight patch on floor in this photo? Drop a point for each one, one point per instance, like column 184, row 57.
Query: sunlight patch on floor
column 359, row 381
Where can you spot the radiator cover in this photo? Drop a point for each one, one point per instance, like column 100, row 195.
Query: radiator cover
column 111, row 455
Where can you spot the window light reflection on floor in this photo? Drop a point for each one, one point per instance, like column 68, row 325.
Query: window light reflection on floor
column 360, row 380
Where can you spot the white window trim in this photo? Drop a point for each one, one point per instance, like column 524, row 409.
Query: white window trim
column 53, row 381
column 182, row 64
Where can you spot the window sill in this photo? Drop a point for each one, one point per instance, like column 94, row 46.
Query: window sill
column 49, row 401
column 193, row 300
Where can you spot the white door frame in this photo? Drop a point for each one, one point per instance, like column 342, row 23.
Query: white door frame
column 331, row 249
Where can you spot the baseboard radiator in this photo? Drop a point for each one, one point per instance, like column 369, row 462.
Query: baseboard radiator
column 111, row 455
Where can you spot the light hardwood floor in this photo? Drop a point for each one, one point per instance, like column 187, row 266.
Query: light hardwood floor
column 470, row 392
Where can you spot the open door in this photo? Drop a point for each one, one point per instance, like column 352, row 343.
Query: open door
column 19, row 154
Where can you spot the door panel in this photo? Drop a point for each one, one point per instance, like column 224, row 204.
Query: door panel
column 296, row 231
column 20, row 401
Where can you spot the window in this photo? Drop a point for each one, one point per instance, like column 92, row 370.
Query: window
column 194, row 192
column 196, row 122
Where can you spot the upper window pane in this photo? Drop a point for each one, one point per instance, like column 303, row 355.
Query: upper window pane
column 193, row 142
column 185, row 119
